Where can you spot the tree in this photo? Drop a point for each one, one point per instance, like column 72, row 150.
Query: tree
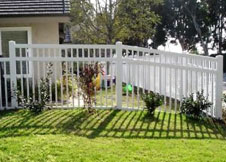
column 198, row 11
column 92, row 22
column 108, row 21
column 138, row 21
column 217, row 13
column 192, row 22
column 175, row 23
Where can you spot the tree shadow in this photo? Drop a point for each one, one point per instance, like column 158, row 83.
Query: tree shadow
column 110, row 123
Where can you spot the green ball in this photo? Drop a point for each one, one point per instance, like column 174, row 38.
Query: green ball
column 128, row 88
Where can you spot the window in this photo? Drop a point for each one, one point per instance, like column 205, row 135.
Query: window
column 20, row 35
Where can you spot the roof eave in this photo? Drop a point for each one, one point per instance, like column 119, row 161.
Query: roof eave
column 35, row 15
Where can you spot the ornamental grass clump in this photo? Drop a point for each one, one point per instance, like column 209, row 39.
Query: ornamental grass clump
column 194, row 105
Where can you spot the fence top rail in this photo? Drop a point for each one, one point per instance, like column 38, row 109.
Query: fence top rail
column 68, row 59
column 142, row 49
column 4, row 59
column 113, row 47
column 65, row 46
column 170, row 65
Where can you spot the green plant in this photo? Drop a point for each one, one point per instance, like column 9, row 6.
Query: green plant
column 194, row 106
column 37, row 104
column 152, row 101
column 224, row 98
column 86, row 82
column 224, row 115
column 224, row 109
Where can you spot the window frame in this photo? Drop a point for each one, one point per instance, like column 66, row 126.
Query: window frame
column 29, row 40
column 27, row 29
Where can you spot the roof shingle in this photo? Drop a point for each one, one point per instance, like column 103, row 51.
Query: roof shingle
column 34, row 7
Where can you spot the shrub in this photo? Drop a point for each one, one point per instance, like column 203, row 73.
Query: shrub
column 224, row 115
column 34, row 104
column 87, row 84
column 224, row 108
column 194, row 106
column 224, row 98
column 152, row 101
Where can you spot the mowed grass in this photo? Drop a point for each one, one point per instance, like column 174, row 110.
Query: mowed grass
column 109, row 135
column 107, row 98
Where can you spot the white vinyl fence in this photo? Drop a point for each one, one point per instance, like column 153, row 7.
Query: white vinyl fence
column 172, row 75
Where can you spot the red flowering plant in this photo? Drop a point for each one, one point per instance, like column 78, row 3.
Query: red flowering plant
column 87, row 85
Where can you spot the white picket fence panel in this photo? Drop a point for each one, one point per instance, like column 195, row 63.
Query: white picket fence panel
column 173, row 75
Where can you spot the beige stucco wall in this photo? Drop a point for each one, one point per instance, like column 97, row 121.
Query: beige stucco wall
column 45, row 33
column 45, row 30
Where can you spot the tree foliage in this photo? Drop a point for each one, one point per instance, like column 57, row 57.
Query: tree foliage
column 108, row 21
column 174, row 24
column 192, row 22
column 137, row 21
column 217, row 14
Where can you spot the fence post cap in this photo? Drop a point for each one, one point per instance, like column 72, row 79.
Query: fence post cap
column 219, row 56
column 118, row 43
column 12, row 42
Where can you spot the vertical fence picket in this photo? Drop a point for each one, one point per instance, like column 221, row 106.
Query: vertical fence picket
column 165, row 84
column 119, row 75
column 112, row 77
column 55, row 76
column 219, row 86
column 66, row 77
column 207, row 84
column 160, row 77
column 27, row 73
column 1, row 96
column 38, row 77
column 6, row 87
column 33, row 78
column 13, row 79
column 127, row 78
column 105, row 78
column 175, row 89
column 138, row 84
column 73, row 79
column 170, row 88
column 61, row 78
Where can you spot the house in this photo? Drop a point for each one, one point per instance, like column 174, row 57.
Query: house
column 32, row 21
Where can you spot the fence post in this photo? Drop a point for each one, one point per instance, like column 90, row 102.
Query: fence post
column 119, row 74
column 12, row 55
column 219, row 87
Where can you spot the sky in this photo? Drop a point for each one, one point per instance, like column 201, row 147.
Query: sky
column 177, row 47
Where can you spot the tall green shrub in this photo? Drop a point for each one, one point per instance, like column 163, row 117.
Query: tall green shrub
column 194, row 106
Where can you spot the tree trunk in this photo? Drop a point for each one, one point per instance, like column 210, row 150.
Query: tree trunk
column 197, row 28
column 220, row 35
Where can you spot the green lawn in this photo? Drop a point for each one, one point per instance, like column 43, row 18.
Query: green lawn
column 75, row 135
column 107, row 98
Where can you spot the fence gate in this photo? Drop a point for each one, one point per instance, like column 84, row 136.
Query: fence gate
column 127, row 73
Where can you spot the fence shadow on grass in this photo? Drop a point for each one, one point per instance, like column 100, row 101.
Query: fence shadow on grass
column 109, row 123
